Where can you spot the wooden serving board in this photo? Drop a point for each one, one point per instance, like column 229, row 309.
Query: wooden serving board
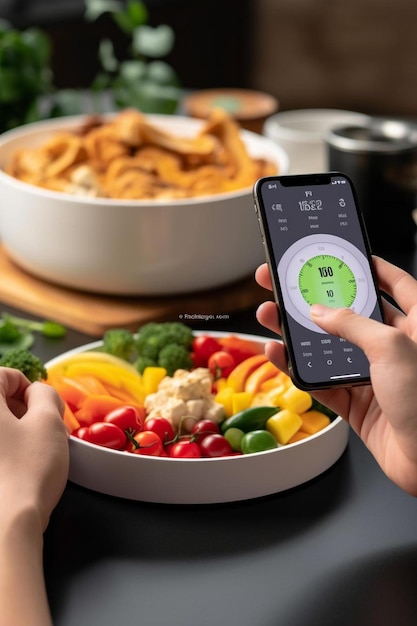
column 94, row 314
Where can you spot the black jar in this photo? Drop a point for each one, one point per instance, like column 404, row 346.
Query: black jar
column 381, row 159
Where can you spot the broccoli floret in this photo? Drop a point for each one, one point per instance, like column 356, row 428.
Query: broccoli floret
column 163, row 333
column 119, row 342
column 142, row 362
column 174, row 357
column 176, row 332
column 25, row 361
column 157, row 344
column 152, row 347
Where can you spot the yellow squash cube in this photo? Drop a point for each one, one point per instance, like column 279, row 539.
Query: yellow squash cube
column 151, row 378
column 284, row 425
column 314, row 421
column 296, row 400
column 241, row 400
column 225, row 397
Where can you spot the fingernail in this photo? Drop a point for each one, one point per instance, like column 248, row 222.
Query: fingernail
column 319, row 310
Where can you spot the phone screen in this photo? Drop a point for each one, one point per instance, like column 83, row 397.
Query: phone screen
column 318, row 253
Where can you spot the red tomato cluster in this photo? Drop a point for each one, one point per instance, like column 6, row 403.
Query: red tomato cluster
column 126, row 429
column 204, row 440
column 221, row 355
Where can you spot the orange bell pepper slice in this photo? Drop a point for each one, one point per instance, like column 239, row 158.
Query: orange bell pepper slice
column 96, row 407
column 261, row 374
column 69, row 418
column 237, row 377
column 71, row 391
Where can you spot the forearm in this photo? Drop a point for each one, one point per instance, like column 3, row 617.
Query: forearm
column 23, row 598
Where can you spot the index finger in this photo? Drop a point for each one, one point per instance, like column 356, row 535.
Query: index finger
column 44, row 399
column 13, row 383
column 371, row 336
column 397, row 283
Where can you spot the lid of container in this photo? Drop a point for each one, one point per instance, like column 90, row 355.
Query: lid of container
column 242, row 104
column 378, row 135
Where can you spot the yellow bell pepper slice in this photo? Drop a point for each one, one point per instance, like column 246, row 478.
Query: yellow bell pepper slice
column 225, row 397
column 112, row 375
column 296, row 400
column 241, row 400
column 284, row 425
column 151, row 377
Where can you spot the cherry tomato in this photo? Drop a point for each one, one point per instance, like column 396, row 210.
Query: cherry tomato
column 103, row 434
column 127, row 418
column 81, row 433
column 149, row 443
column 162, row 427
column 215, row 445
column 185, row 450
column 203, row 347
column 220, row 364
column 184, row 439
column 202, row 428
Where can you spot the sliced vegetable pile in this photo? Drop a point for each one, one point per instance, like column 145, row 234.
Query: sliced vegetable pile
column 165, row 392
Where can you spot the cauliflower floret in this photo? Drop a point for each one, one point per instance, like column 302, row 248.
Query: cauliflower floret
column 156, row 400
column 173, row 410
column 188, row 385
column 195, row 408
column 186, row 394
column 213, row 411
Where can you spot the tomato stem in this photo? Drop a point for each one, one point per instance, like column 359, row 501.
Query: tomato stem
column 131, row 438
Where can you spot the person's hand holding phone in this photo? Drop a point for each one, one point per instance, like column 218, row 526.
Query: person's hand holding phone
column 317, row 251
column 383, row 413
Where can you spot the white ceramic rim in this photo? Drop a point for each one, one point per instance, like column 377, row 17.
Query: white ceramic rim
column 71, row 122
column 275, row 127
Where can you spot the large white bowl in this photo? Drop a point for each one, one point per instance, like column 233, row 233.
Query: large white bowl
column 130, row 247
column 205, row 480
column 300, row 132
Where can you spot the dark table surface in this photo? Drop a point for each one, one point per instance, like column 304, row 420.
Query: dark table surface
column 340, row 550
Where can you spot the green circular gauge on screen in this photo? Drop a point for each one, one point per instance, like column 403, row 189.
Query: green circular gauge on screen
column 325, row 269
column 326, row 279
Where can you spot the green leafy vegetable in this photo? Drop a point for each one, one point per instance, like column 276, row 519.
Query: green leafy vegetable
column 18, row 332
column 25, row 361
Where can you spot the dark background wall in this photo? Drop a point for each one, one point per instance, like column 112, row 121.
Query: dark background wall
column 355, row 54
column 212, row 46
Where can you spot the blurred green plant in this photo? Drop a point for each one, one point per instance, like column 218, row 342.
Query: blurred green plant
column 25, row 74
column 144, row 80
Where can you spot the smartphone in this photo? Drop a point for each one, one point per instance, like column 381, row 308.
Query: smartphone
column 318, row 252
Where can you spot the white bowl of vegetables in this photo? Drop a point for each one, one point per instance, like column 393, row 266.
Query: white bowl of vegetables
column 213, row 422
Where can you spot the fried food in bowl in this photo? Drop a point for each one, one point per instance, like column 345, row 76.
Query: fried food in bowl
column 133, row 205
